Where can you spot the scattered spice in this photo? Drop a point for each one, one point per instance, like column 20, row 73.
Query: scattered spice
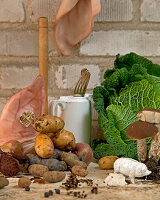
column 46, row 194
column 77, row 194
column 27, row 188
column 94, row 190
column 50, row 192
column 73, row 182
column 57, row 191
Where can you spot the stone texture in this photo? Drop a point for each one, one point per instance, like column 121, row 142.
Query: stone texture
column 22, row 43
column 68, row 75
column 115, row 10
column 150, row 11
column 15, row 77
column 44, row 8
column 12, row 11
column 101, row 43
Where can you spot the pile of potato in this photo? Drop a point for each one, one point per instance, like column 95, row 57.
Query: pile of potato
column 51, row 134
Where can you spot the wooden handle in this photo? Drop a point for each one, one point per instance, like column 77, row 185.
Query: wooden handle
column 43, row 56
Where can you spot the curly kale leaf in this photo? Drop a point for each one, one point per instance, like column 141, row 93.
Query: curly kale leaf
column 130, row 59
column 138, row 95
column 121, row 150
column 101, row 99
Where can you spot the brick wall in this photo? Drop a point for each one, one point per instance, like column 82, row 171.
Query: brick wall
column 121, row 27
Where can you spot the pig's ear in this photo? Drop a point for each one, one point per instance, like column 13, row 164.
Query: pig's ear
column 74, row 22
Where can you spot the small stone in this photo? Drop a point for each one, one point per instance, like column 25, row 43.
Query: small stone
column 115, row 179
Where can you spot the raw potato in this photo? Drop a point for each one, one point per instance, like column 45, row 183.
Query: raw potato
column 107, row 162
column 54, row 176
column 37, row 170
column 64, row 140
column 44, row 146
column 47, row 124
column 79, row 171
column 3, row 182
column 24, row 182
column 71, row 159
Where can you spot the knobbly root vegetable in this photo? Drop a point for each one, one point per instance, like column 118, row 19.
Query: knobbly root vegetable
column 107, row 162
column 54, row 176
column 80, row 171
column 37, row 170
column 24, row 182
column 51, row 163
column 3, row 182
column 44, row 146
column 47, row 124
column 64, row 140
column 84, row 150
column 12, row 146
column 71, row 159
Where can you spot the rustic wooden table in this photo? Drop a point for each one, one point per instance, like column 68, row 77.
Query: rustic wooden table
column 145, row 190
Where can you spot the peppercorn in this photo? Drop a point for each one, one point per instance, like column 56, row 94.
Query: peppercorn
column 27, row 188
column 46, row 194
column 50, row 192
column 57, row 191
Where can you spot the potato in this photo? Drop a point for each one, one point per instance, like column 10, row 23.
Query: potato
column 79, row 171
column 44, row 146
column 47, row 124
column 37, row 170
column 54, row 176
column 3, row 182
column 107, row 162
column 24, row 182
column 64, row 140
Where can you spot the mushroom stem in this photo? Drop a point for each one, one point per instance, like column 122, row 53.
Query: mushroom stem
column 142, row 150
column 154, row 151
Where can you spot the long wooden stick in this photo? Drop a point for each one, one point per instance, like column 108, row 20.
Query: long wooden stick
column 43, row 56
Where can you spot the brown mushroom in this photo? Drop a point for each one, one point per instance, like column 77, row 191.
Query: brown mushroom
column 152, row 116
column 140, row 131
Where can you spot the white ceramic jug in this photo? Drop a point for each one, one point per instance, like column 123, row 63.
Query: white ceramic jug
column 76, row 113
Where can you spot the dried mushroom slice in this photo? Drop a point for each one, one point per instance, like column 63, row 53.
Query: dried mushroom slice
column 26, row 118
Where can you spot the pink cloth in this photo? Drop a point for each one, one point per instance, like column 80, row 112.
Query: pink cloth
column 74, row 22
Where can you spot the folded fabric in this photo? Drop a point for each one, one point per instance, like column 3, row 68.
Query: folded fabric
column 74, row 22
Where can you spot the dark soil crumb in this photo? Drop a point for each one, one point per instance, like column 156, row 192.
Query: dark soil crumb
column 152, row 166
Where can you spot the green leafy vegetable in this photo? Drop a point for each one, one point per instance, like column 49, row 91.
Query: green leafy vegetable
column 133, row 84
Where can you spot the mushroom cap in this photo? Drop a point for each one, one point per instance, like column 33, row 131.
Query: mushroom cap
column 150, row 115
column 141, row 130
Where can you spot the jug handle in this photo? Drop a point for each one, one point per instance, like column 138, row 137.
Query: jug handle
column 55, row 103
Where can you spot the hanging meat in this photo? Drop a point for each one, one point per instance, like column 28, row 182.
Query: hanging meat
column 29, row 99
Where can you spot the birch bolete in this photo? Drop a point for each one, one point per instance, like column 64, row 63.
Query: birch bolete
column 140, row 131
column 152, row 116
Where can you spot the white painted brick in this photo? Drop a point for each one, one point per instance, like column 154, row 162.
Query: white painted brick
column 15, row 77
column 150, row 10
column 22, row 43
column 44, row 8
column 2, row 103
column 145, row 43
column 12, row 11
column 68, row 75
column 115, row 10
